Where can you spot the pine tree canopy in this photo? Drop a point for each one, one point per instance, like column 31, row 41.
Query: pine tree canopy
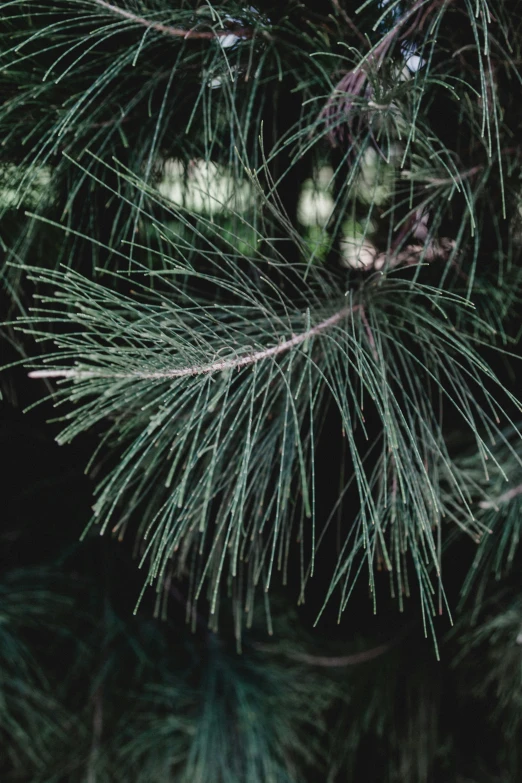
column 261, row 271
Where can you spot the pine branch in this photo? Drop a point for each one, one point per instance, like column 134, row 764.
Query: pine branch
column 335, row 661
column 176, row 32
column 218, row 366
column 238, row 435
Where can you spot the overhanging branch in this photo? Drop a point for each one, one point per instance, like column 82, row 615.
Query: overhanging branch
column 176, row 32
column 235, row 363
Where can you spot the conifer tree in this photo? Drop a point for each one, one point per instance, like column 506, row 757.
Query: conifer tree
column 260, row 282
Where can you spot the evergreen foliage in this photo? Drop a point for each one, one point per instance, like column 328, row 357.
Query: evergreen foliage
column 262, row 265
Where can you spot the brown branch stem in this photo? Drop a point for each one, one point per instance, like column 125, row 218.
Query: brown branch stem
column 446, row 180
column 335, row 661
column 221, row 365
column 176, row 32
column 349, row 21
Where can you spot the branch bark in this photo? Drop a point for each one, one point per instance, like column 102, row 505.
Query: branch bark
column 235, row 363
column 338, row 661
column 176, row 32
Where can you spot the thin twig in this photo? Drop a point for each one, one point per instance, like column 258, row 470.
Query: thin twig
column 236, row 363
column 177, row 32
column 334, row 661
column 461, row 176
column 405, row 174
column 349, row 21
column 434, row 250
